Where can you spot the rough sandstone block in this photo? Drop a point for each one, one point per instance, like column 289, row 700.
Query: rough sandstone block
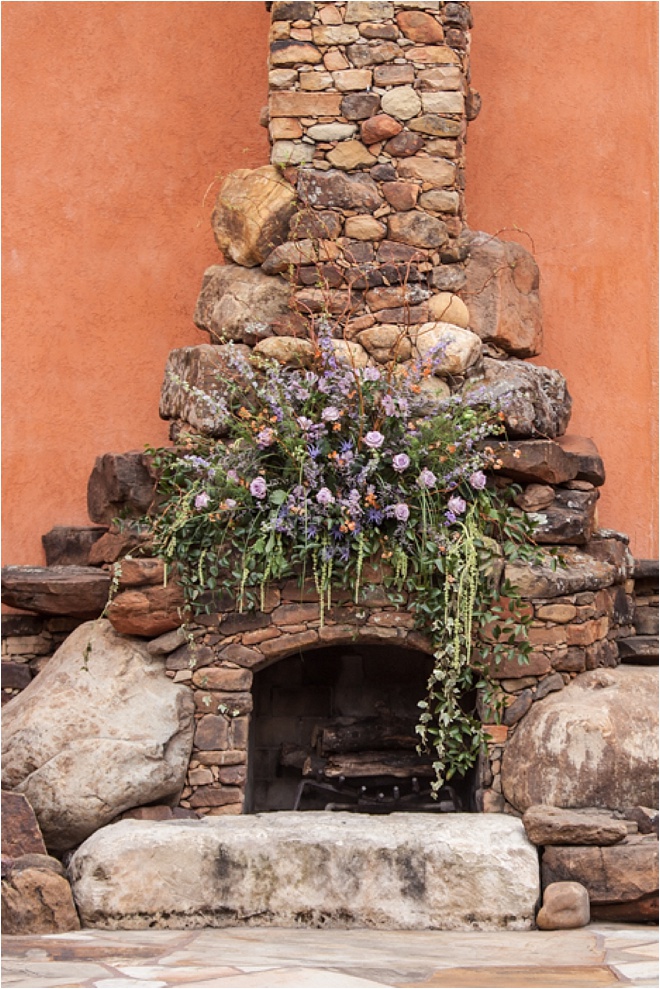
column 253, row 210
column 405, row 871
column 121, row 485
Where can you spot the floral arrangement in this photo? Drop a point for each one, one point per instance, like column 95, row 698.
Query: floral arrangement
column 328, row 466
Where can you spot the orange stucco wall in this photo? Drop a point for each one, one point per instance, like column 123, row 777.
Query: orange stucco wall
column 118, row 120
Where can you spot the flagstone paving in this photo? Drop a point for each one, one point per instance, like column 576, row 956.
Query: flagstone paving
column 276, row 958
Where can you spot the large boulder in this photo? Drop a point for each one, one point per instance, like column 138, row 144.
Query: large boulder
column 502, row 294
column 240, row 304
column 252, row 214
column 101, row 729
column 593, row 744
column 195, row 383
column 454, row 348
column 534, row 400
column 403, row 871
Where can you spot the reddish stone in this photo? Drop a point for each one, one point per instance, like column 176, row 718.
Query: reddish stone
column 242, row 656
column 222, row 678
column 388, row 250
column 401, row 195
column 148, row 612
column 404, row 144
column 139, row 571
column 21, row 834
column 380, row 128
column 120, row 485
column 78, row 591
column 223, row 701
column 295, row 614
column 69, row 545
column 364, row 55
column 215, row 796
column 418, row 26
column 323, row 224
column 406, row 314
column 236, row 774
column 212, row 733
column 335, row 188
column 114, row 545
column 417, row 229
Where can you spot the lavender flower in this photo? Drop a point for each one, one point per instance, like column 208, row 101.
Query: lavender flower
column 371, row 374
column 388, row 404
column 426, row 479
column 374, row 440
column 265, row 438
column 325, row 497
column 400, row 462
column 258, row 488
column 202, row 500
column 232, row 476
column 456, row 505
column 478, row 480
column 401, row 512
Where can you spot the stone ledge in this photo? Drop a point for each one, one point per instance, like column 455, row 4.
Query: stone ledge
column 404, row 871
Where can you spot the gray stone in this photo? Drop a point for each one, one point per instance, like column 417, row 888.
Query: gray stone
column 78, row 591
column 416, row 228
column 569, row 519
column 196, row 380
column 338, row 190
column 401, row 102
column 240, row 304
column 502, row 294
column 534, row 399
column 121, row 485
column 593, row 744
column 454, row 348
column 565, row 907
column 331, row 132
column 404, row 871
column 100, row 730
column 552, row 578
column 548, row 825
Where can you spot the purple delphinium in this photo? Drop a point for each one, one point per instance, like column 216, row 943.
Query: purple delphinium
column 427, row 478
column 258, row 488
column 400, row 462
column 478, row 480
column 374, row 440
column 202, row 500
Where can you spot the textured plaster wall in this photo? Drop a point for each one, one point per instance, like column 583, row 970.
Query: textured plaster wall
column 118, row 117
column 565, row 148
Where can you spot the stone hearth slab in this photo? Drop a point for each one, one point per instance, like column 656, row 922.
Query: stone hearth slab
column 404, row 871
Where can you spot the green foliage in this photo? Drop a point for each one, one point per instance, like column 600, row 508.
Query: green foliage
column 330, row 468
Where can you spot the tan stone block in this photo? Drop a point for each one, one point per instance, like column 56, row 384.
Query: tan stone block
column 330, row 14
column 279, row 31
column 351, row 80
column 432, row 172
column 444, row 102
column 314, row 81
column 368, row 10
column 401, row 102
column 510, row 669
column 289, row 643
column 285, row 129
column 547, row 636
column 440, row 201
column 432, row 55
column 350, row 154
column 260, row 635
column 442, row 147
column 335, row 34
column 393, row 75
column 587, row 633
column 335, row 61
column 419, row 26
column 199, row 777
column 304, row 104
column 301, row 34
column 448, row 308
column 282, row 78
column 441, row 79
column 560, row 613
column 364, row 228
column 284, row 53
column 401, row 195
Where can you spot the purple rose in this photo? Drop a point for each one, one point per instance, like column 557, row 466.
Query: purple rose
column 202, row 500
column 232, row 476
column 478, row 480
column 374, row 439
column 266, row 437
column 230, row 503
column 401, row 512
column 426, row 479
column 400, row 462
column 331, row 414
column 258, row 488
column 456, row 505
column 325, row 497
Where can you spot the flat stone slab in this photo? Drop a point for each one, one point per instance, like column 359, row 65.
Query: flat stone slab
column 404, row 871
column 78, row 591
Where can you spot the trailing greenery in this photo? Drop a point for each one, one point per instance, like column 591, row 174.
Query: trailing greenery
column 329, row 469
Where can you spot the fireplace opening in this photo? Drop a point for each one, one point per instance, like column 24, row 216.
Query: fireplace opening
column 334, row 729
